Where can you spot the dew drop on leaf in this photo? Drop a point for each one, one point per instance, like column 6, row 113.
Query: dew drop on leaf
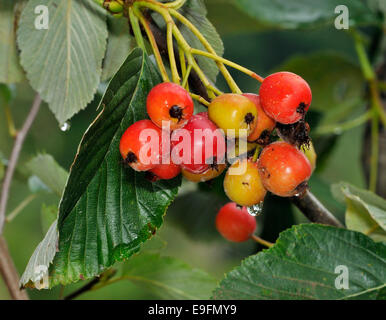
column 65, row 126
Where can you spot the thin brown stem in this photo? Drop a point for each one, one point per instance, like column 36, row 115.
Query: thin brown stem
column 14, row 158
column 261, row 241
column 9, row 273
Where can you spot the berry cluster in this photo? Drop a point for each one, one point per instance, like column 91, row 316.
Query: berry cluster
column 174, row 140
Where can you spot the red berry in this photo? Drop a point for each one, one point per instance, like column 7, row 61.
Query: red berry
column 140, row 145
column 285, row 97
column 264, row 124
column 284, row 170
column 198, row 145
column 164, row 171
column 169, row 102
column 235, row 223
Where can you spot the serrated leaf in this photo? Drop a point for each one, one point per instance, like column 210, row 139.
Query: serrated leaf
column 38, row 265
column 366, row 212
column 119, row 43
column 107, row 211
column 168, row 278
column 49, row 172
column 64, row 62
column 302, row 264
column 336, row 82
column 195, row 11
column 10, row 69
column 284, row 14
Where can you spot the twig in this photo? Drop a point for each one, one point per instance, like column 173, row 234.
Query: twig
column 14, row 158
column 310, row 206
column 9, row 273
column 83, row 289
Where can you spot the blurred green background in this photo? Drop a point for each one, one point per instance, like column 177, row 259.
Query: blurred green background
column 325, row 57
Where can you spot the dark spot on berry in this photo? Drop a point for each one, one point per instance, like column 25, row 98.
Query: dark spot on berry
column 245, row 183
column 265, row 138
column 176, row 112
column 249, row 117
column 238, row 206
column 150, row 176
column 131, row 157
column 295, row 133
column 301, row 109
column 301, row 189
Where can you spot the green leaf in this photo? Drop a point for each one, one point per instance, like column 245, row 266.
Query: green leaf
column 366, row 212
column 119, row 43
column 302, row 264
column 10, row 69
column 42, row 257
column 284, row 14
column 107, row 210
column 64, row 62
column 195, row 12
column 168, row 278
column 49, row 172
column 336, row 82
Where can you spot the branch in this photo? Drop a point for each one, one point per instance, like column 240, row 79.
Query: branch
column 14, row 158
column 9, row 273
column 311, row 207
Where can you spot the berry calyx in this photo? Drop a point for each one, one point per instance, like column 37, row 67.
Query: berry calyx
column 284, row 169
column 234, row 223
column 198, row 145
column 140, row 145
column 169, row 102
column 164, row 172
column 233, row 111
column 242, row 183
column 264, row 124
column 207, row 175
column 285, row 97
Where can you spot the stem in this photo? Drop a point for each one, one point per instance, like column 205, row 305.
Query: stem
column 172, row 60
column 232, row 84
column 310, row 206
column 256, row 154
column 200, row 99
column 339, row 128
column 20, row 207
column 227, row 62
column 186, row 77
column 370, row 76
column 153, row 44
column 11, row 125
column 136, row 29
column 175, row 5
column 374, row 154
column 88, row 287
column 263, row 242
column 9, row 273
column 14, row 158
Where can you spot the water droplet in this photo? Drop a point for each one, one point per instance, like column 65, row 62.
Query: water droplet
column 65, row 126
column 338, row 131
column 256, row 209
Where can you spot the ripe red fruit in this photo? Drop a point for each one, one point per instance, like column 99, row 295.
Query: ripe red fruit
column 164, row 171
column 234, row 223
column 140, row 150
column 264, row 124
column 169, row 102
column 284, row 170
column 199, row 145
column 285, row 97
